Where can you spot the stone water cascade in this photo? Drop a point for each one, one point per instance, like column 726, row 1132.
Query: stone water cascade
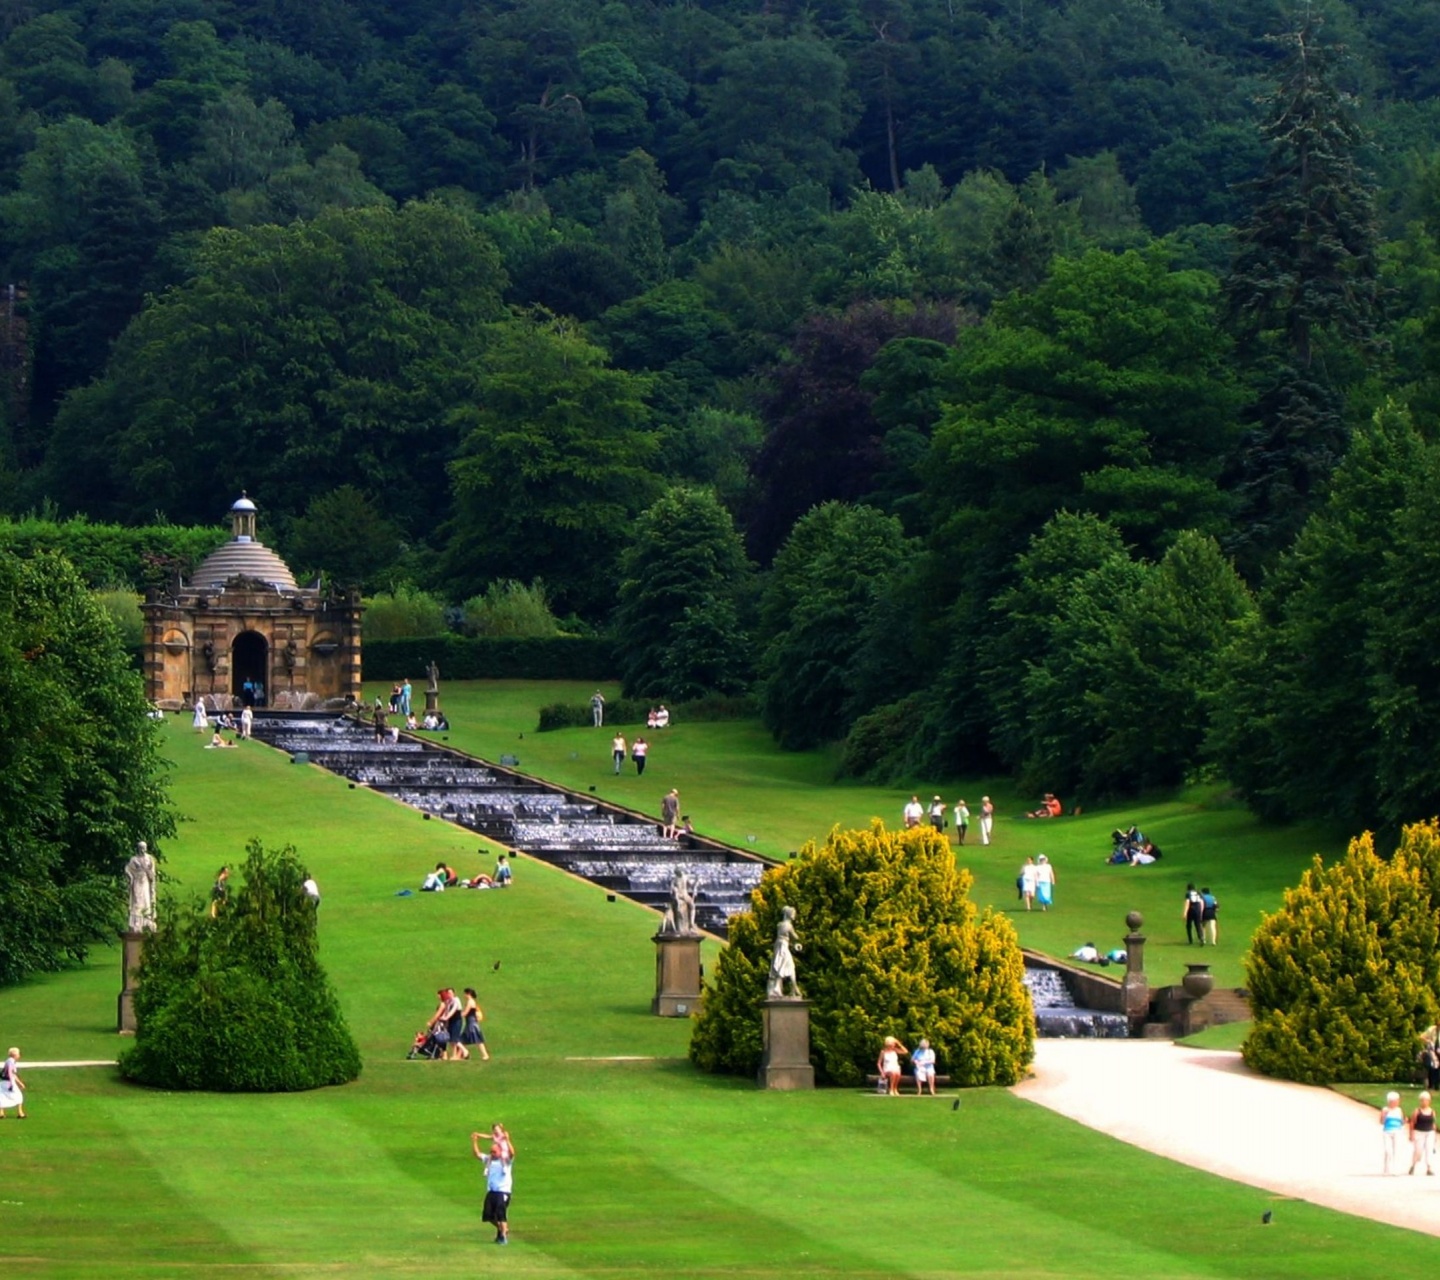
column 1056, row 1013
column 619, row 851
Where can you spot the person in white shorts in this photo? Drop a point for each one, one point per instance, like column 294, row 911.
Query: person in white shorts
column 922, row 1063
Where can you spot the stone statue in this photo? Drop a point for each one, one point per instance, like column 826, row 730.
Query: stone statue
column 140, row 872
column 434, row 673
column 680, row 914
column 782, row 962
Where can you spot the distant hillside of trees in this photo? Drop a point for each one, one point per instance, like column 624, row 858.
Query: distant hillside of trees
column 982, row 383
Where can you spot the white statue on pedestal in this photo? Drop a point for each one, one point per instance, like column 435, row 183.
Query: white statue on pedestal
column 140, row 872
column 680, row 914
column 782, row 962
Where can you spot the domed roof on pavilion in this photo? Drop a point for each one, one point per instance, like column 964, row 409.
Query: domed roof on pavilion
column 244, row 555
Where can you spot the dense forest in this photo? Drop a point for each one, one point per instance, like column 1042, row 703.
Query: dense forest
column 982, row 383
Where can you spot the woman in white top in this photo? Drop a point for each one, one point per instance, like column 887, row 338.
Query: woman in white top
column 12, row 1089
column 889, row 1065
column 201, row 721
column 1027, row 882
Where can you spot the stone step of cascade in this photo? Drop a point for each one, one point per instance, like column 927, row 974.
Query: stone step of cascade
column 1224, row 1005
column 622, row 852
column 1056, row 1013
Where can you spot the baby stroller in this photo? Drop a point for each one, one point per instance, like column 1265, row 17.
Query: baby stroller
column 425, row 1045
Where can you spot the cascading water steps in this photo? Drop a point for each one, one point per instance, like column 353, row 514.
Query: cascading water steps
column 623, row 852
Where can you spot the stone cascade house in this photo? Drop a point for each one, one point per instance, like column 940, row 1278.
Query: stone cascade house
column 241, row 619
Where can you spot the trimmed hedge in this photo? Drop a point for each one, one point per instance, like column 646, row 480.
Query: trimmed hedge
column 108, row 554
column 482, row 658
column 624, row 712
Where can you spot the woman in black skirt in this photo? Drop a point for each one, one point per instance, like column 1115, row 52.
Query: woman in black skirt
column 470, row 1033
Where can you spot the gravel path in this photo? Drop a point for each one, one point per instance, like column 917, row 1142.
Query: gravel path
column 1205, row 1108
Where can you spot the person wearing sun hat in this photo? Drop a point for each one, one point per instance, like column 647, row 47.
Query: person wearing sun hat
column 889, row 1065
column 1044, row 882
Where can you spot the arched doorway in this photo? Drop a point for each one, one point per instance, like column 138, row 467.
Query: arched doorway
column 250, row 662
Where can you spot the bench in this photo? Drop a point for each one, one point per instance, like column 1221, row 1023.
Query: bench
column 907, row 1081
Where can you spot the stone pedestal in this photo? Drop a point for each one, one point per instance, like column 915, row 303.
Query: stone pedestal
column 432, row 702
column 677, row 975
column 132, row 947
column 1135, row 987
column 786, row 1061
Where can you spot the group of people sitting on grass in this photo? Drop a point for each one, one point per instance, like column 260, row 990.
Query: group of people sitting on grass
column 1091, row 954
column 446, row 877
column 659, row 718
column 1131, row 849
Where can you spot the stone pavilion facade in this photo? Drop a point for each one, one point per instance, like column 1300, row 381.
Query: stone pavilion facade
column 242, row 618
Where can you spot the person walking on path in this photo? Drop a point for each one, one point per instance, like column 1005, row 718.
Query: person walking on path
column 499, row 1161
column 1044, row 883
column 1194, row 916
column 670, row 813
column 1392, row 1123
column 597, row 709
column 201, row 721
column 1422, row 1135
column 247, row 721
column 638, row 751
column 937, row 814
column 617, row 751
column 1026, row 883
column 12, row 1088
column 987, row 819
column 1209, row 910
column 1428, row 1060
column 962, row 821
column 470, row 1032
column 914, row 811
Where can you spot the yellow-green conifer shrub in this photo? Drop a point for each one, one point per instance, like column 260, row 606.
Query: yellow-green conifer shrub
column 891, row 945
column 1343, row 977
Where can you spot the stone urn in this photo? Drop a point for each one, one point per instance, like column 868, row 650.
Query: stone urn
column 1198, row 982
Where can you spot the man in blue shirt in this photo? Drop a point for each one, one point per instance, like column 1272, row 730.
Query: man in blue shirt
column 498, row 1179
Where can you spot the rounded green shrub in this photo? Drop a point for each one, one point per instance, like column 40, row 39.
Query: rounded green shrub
column 239, row 1003
column 1343, row 977
column 892, row 945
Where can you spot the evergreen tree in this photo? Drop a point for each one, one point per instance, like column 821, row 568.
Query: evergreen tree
column 81, row 762
column 1304, row 282
column 1294, row 727
column 677, row 625
column 892, row 946
column 828, row 578
column 239, row 1002
column 1343, row 977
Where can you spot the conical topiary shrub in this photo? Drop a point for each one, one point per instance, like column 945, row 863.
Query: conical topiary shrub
column 1343, row 977
column 239, row 1003
column 892, row 945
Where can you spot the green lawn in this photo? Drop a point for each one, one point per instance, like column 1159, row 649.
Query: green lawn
column 739, row 787
column 1229, row 1036
column 640, row 1168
